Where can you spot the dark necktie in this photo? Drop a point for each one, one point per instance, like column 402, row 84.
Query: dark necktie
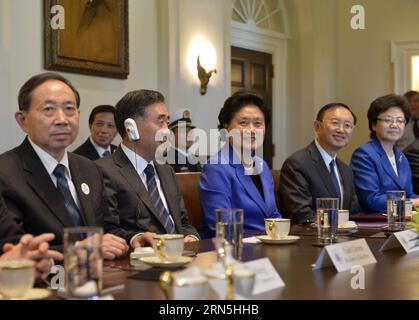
column 335, row 180
column 157, row 202
column 415, row 128
column 106, row 153
column 70, row 204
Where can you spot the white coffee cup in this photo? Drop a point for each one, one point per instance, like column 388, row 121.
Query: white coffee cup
column 241, row 278
column 277, row 228
column 16, row 277
column 168, row 247
column 343, row 217
column 189, row 284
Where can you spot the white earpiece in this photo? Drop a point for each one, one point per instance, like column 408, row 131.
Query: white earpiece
column 131, row 129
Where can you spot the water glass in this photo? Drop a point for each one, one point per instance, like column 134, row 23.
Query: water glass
column 396, row 201
column 229, row 229
column 327, row 219
column 83, row 261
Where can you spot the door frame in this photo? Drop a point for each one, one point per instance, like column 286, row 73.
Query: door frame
column 276, row 45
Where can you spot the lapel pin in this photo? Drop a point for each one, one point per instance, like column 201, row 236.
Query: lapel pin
column 85, row 188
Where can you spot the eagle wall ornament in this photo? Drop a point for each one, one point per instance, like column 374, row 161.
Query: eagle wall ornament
column 204, row 77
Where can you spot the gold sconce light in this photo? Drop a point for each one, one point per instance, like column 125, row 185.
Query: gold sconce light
column 204, row 76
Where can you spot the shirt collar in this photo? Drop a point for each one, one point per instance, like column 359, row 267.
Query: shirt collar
column 49, row 162
column 100, row 150
column 136, row 160
column 326, row 157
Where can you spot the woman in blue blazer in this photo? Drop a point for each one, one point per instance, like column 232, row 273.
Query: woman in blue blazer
column 235, row 177
column 378, row 165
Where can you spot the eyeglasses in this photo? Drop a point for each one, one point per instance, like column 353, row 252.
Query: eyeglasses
column 347, row 125
column 390, row 120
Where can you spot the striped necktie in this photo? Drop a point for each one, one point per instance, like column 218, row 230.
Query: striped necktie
column 70, row 204
column 157, row 202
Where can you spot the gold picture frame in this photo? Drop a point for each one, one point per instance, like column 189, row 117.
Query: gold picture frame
column 94, row 40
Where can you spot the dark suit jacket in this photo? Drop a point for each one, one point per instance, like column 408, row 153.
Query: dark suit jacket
column 34, row 202
column 181, row 163
column 88, row 150
column 129, row 200
column 412, row 155
column 305, row 177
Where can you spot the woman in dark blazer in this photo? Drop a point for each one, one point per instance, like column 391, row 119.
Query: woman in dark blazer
column 236, row 177
column 378, row 165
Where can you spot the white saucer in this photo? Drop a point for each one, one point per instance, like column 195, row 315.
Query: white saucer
column 267, row 239
column 33, row 294
column 156, row 262
column 348, row 226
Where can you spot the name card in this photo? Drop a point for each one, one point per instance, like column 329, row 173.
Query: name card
column 407, row 239
column 345, row 255
column 267, row 278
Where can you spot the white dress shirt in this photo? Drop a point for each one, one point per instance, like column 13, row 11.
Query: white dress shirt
column 100, row 150
column 327, row 159
column 50, row 163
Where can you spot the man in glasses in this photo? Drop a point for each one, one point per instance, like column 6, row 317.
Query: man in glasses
column 315, row 171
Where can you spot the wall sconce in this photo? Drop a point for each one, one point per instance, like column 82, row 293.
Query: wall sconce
column 204, row 76
column 201, row 61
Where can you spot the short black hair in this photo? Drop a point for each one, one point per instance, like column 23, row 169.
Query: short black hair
column 133, row 105
column 238, row 101
column 25, row 92
column 322, row 111
column 101, row 109
column 382, row 104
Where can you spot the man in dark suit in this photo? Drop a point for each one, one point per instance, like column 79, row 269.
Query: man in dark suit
column 45, row 188
column 102, row 132
column 141, row 192
column 412, row 155
column 315, row 171
column 178, row 155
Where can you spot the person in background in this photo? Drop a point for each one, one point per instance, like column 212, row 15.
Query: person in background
column 102, row 132
column 378, row 165
column 236, row 177
column 411, row 130
column 179, row 156
column 316, row 172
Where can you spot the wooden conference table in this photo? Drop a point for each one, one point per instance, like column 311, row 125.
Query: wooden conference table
column 394, row 276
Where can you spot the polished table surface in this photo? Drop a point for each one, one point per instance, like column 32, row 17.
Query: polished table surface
column 394, row 276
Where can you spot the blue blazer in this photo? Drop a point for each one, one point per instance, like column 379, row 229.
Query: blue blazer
column 223, row 184
column 374, row 175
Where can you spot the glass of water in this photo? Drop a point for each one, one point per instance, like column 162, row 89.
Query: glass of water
column 396, row 201
column 229, row 229
column 327, row 219
column 83, row 261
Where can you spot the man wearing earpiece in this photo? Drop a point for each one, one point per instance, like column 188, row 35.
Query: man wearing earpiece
column 143, row 194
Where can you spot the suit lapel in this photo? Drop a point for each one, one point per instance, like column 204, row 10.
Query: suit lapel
column 41, row 183
column 128, row 171
column 92, row 150
column 321, row 168
column 346, row 183
column 385, row 162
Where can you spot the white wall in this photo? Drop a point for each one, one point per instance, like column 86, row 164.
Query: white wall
column 21, row 56
column 180, row 22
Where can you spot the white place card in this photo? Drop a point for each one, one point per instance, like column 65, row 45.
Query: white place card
column 408, row 239
column 345, row 255
column 267, row 278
